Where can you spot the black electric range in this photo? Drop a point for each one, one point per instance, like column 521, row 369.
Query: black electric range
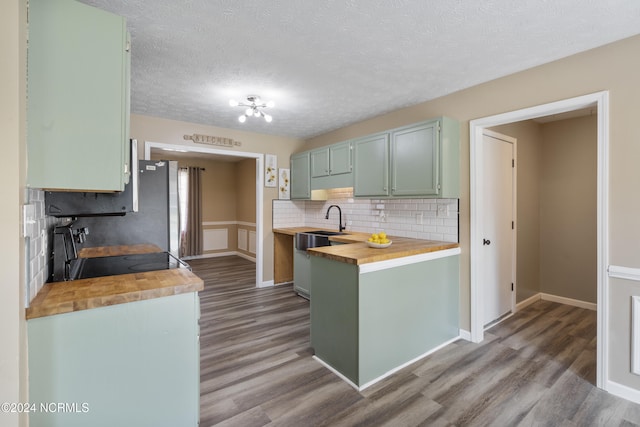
column 85, row 268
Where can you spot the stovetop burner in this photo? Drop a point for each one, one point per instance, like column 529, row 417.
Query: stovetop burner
column 86, row 268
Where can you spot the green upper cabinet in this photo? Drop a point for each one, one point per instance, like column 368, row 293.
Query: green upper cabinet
column 331, row 166
column 420, row 160
column 300, row 182
column 371, row 166
column 78, row 97
column 332, row 160
column 414, row 160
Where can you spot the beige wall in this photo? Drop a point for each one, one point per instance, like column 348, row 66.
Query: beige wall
column 568, row 209
column 246, row 193
column 13, row 347
column 153, row 129
column 612, row 67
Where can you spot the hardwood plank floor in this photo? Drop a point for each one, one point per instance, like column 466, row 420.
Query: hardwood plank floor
column 535, row 368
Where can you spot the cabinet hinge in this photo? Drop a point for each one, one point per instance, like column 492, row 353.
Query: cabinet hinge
column 512, row 287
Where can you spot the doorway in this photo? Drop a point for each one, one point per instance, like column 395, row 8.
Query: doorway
column 259, row 182
column 598, row 101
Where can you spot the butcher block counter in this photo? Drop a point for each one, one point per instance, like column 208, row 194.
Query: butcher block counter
column 64, row 297
column 355, row 250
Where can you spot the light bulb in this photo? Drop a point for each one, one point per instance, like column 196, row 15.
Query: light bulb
column 267, row 118
column 271, row 104
column 248, row 111
column 233, row 103
column 256, row 113
column 242, row 118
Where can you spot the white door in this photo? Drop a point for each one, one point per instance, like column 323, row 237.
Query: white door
column 497, row 233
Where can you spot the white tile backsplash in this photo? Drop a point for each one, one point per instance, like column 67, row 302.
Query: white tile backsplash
column 38, row 228
column 429, row 219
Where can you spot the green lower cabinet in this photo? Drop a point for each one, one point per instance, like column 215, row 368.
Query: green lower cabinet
column 129, row 364
column 365, row 325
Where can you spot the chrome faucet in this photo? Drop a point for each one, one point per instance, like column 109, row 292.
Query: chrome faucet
column 340, row 226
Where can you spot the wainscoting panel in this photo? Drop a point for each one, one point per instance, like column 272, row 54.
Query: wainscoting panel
column 252, row 242
column 242, row 239
column 635, row 334
column 215, row 239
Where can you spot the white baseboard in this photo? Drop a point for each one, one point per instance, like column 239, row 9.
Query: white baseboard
column 390, row 372
column 569, row 301
column 623, row 391
column 465, row 335
column 528, row 301
column 556, row 298
column 266, row 284
column 220, row 254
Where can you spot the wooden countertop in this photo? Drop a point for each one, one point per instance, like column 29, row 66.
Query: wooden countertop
column 84, row 294
column 356, row 251
column 117, row 250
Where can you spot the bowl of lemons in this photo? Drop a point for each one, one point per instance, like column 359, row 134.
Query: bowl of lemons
column 379, row 241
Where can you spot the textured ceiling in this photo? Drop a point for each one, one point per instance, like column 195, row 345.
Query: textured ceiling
column 327, row 64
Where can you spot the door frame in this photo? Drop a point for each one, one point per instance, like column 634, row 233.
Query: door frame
column 600, row 100
column 148, row 145
column 514, row 209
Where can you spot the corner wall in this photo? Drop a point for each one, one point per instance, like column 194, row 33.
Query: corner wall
column 13, row 337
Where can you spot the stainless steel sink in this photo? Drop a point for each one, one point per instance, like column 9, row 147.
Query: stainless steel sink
column 314, row 239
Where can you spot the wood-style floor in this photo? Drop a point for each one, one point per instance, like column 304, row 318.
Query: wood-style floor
column 536, row 368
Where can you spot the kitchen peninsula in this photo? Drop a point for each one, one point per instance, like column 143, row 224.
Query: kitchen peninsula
column 126, row 346
column 374, row 311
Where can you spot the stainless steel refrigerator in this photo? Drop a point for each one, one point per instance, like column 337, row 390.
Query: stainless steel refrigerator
column 156, row 221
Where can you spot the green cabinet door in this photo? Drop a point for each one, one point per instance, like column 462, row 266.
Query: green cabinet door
column 332, row 160
column 300, row 177
column 302, row 273
column 340, row 158
column 319, row 163
column 371, row 166
column 77, row 111
column 415, row 160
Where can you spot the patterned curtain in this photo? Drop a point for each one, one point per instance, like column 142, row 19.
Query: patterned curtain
column 191, row 238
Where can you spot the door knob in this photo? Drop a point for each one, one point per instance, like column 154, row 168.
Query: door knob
column 486, row 242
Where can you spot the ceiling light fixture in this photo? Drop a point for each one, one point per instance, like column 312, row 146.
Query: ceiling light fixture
column 254, row 107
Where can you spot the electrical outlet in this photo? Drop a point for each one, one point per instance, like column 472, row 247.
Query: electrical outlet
column 443, row 210
column 419, row 218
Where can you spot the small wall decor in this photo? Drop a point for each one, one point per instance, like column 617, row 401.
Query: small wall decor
column 213, row 140
column 270, row 170
column 283, row 184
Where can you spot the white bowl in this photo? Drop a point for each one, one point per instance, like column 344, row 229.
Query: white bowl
column 379, row 245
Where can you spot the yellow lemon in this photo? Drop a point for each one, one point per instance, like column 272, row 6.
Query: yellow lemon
column 374, row 236
column 382, row 235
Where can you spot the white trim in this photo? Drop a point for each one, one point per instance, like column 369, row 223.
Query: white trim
column 522, row 304
column 635, row 334
column 390, row 372
column 623, row 391
column 219, row 255
column 332, row 369
column 267, row 284
column 259, row 157
column 214, row 223
column 464, row 334
column 627, row 273
column 601, row 99
column 569, row 301
column 413, row 259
